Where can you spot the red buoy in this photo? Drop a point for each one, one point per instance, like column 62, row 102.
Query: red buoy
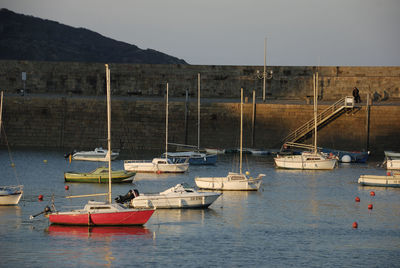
column 388, row 173
column 372, row 193
column 66, row 187
column 370, row 206
column 40, row 197
column 355, row 225
column 357, row 199
column 158, row 171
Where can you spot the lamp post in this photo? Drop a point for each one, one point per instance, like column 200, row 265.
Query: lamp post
column 266, row 74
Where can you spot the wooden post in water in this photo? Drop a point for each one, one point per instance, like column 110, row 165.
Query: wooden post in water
column 367, row 123
column 253, row 120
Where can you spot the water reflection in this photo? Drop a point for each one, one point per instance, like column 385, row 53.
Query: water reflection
column 97, row 231
column 11, row 215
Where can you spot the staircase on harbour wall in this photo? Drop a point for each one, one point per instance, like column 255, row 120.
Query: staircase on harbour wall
column 346, row 103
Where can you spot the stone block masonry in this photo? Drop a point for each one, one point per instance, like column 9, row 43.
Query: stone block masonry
column 287, row 82
column 138, row 123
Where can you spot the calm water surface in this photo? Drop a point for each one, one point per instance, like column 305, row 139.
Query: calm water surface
column 297, row 219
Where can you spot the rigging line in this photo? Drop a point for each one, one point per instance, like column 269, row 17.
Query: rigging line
column 10, row 155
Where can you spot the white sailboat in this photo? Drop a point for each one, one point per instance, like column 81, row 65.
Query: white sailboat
column 101, row 213
column 390, row 180
column 10, row 194
column 158, row 165
column 308, row 160
column 196, row 157
column 179, row 196
column 233, row 181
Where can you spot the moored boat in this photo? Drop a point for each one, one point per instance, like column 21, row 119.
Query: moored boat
column 10, row 195
column 393, row 164
column 100, row 175
column 314, row 160
column 179, row 196
column 390, row 180
column 233, row 181
column 96, row 213
column 195, row 158
column 306, row 160
column 98, row 154
column 157, row 165
column 101, row 213
column 392, row 154
column 348, row 156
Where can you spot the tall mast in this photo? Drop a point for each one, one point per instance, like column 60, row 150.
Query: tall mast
column 109, row 131
column 166, row 126
column 241, row 128
column 198, row 111
column 315, row 87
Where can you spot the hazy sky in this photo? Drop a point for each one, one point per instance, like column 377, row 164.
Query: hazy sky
column 230, row 32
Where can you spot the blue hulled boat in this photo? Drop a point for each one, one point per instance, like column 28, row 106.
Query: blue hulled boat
column 348, row 156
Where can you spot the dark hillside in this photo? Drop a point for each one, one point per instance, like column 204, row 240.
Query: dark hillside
column 29, row 38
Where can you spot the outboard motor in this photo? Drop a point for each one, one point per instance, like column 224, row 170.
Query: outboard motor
column 128, row 197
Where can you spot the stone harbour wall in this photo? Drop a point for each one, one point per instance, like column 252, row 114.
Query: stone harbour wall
column 287, row 82
column 137, row 123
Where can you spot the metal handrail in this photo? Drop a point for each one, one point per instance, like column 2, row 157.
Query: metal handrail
column 321, row 117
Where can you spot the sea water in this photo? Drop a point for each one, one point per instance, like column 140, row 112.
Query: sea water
column 296, row 219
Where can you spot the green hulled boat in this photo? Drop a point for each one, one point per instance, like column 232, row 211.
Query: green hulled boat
column 100, row 175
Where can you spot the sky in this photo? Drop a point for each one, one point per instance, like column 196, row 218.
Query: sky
column 232, row 32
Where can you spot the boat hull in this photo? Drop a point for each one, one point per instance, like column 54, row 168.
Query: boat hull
column 234, row 182
column 93, row 158
column 100, row 179
column 138, row 217
column 383, row 181
column 100, row 175
column 155, row 168
column 356, row 157
column 298, row 162
column 393, row 164
column 207, row 160
column 179, row 201
column 194, row 158
column 10, row 199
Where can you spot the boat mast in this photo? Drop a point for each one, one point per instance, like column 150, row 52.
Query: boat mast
column 198, row 111
column 166, row 126
column 109, row 131
column 315, row 88
column 241, row 129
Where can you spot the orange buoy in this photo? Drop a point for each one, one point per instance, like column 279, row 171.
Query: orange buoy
column 370, row 206
column 40, row 197
column 158, row 171
column 372, row 193
column 355, row 225
column 357, row 199
column 66, row 187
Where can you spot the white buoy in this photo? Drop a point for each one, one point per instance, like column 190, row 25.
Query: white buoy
column 346, row 158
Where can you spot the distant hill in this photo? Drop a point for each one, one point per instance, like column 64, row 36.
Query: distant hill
column 29, row 38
